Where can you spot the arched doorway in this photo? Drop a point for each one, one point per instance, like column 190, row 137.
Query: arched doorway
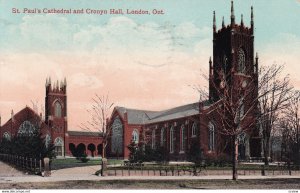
column 59, row 146
column 80, row 150
column 92, row 148
column 72, row 149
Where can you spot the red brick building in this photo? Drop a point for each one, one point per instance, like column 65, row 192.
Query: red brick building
column 54, row 127
column 177, row 129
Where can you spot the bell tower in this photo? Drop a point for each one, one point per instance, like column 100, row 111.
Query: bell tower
column 233, row 63
column 233, row 52
column 56, row 113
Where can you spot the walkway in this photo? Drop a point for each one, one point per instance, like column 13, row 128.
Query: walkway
column 8, row 174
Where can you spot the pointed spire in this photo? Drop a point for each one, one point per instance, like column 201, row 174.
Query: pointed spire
column 256, row 63
column 242, row 21
column 223, row 23
column 12, row 115
column 252, row 17
column 210, row 66
column 214, row 22
column 65, row 81
column 232, row 15
column 57, row 85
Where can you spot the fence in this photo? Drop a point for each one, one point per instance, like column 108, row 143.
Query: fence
column 29, row 164
column 190, row 170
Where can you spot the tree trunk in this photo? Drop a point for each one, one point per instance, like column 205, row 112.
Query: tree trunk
column 266, row 150
column 234, row 158
column 103, row 149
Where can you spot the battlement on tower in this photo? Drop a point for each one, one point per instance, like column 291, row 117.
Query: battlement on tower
column 59, row 87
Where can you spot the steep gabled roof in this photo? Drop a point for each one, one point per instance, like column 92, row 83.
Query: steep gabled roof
column 136, row 116
column 25, row 114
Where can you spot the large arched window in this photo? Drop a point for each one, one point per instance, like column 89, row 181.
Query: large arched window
column 57, row 109
column 241, row 61
column 135, row 136
column 211, row 137
column 59, row 146
column 194, row 130
column 172, row 139
column 27, row 129
column 47, row 140
column 162, row 137
column 117, row 136
column 182, row 138
column 153, row 139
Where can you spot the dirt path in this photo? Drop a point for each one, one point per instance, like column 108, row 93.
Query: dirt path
column 8, row 171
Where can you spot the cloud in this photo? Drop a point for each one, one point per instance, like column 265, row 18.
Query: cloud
column 283, row 49
column 85, row 81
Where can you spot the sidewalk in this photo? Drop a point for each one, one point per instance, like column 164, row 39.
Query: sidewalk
column 87, row 173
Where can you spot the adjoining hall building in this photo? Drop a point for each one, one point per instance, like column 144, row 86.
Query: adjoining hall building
column 178, row 129
column 54, row 125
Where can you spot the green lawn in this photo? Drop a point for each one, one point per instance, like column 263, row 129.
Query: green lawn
column 73, row 162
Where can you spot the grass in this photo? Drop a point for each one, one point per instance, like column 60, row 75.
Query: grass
column 73, row 162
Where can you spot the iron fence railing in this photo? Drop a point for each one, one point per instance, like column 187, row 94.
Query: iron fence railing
column 33, row 165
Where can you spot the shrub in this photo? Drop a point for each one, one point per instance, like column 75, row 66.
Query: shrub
column 220, row 160
column 84, row 158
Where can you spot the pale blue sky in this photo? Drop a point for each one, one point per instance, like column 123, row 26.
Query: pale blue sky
column 272, row 18
column 143, row 61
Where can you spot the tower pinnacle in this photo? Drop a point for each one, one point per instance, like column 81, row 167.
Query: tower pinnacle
column 252, row 17
column 232, row 15
column 223, row 23
column 214, row 22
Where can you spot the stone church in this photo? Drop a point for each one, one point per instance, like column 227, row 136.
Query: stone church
column 178, row 129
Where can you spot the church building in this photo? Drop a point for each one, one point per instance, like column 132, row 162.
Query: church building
column 178, row 129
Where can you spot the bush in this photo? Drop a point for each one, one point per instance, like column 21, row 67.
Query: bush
column 220, row 160
column 84, row 158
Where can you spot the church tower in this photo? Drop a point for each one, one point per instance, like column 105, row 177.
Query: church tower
column 233, row 61
column 56, row 113
column 233, row 52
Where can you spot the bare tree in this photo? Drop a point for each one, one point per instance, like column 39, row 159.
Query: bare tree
column 274, row 98
column 99, row 114
column 292, row 120
column 244, row 102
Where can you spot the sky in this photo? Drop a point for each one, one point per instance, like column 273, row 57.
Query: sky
column 143, row 61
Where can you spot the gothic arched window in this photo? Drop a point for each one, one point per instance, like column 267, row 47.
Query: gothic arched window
column 135, row 136
column 172, row 139
column 117, row 136
column 194, row 132
column 211, row 137
column 59, row 146
column 47, row 140
column 153, row 139
column 57, row 109
column 26, row 129
column 182, row 138
column 162, row 137
column 241, row 61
